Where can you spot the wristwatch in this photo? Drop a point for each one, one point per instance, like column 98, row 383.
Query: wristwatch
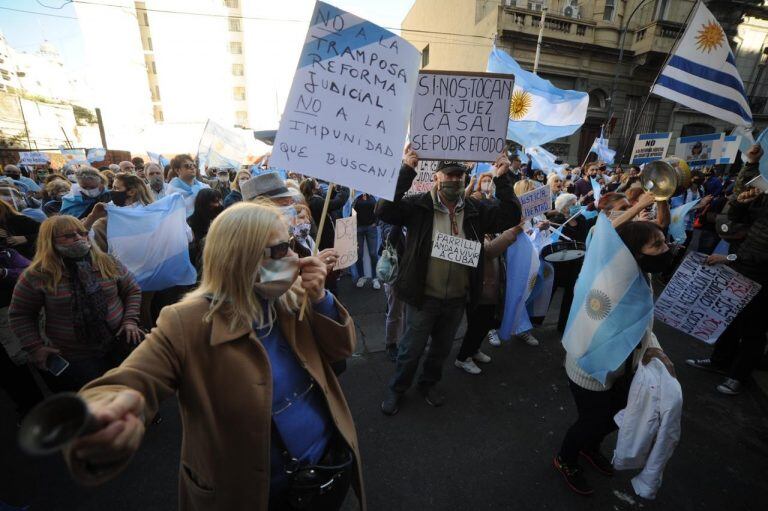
column 731, row 258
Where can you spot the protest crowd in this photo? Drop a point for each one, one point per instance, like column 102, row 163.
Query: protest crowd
column 135, row 282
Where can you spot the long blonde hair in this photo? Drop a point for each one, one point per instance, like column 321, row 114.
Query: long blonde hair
column 524, row 186
column 233, row 252
column 48, row 264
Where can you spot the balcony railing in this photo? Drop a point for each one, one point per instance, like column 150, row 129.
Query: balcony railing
column 656, row 36
column 529, row 21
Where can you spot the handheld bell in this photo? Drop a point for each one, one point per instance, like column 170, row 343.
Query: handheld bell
column 54, row 423
column 663, row 177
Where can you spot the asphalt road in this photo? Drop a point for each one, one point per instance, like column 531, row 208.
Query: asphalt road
column 489, row 447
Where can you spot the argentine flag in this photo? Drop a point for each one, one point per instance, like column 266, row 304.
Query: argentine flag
column 702, row 73
column 542, row 159
column 612, row 305
column 539, row 111
column 601, row 149
column 151, row 241
column 96, row 154
column 522, row 270
column 220, row 147
column 678, row 216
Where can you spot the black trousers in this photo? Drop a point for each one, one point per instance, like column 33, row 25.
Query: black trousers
column 479, row 321
column 17, row 381
column 596, row 410
column 741, row 346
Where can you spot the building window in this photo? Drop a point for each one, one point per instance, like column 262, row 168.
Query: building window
column 154, row 68
column 234, row 25
column 232, row 4
column 647, row 120
column 146, row 19
column 696, row 128
column 156, row 93
column 597, row 99
column 662, row 10
column 158, row 113
column 149, row 44
column 242, row 118
column 239, row 93
column 238, row 70
column 425, row 56
column 236, row 48
column 610, row 10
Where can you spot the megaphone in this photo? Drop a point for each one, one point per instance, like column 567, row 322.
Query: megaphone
column 54, row 423
column 663, row 177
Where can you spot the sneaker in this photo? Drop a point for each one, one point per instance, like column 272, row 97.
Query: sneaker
column 361, row 281
column 376, row 284
column 392, row 352
column 493, row 338
column 433, row 396
column 730, row 387
column 391, row 405
column 574, row 477
column 529, row 339
column 468, row 365
column 481, row 357
column 597, row 460
column 704, row 364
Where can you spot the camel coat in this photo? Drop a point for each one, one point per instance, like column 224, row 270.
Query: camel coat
column 224, row 385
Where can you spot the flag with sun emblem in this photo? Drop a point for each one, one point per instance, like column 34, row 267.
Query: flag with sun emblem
column 522, row 270
column 539, row 112
column 702, row 73
column 612, row 305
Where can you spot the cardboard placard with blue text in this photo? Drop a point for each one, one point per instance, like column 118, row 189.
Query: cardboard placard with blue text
column 536, row 202
column 650, row 147
column 346, row 117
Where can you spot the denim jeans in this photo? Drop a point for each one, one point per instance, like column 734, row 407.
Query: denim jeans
column 367, row 234
column 439, row 319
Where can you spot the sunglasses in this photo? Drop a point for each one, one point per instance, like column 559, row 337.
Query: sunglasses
column 277, row 251
column 188, row 166
column 73, row 235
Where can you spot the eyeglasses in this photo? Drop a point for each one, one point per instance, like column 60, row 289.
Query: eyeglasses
column 188, row 166
column 73, row 235
column 277, row 251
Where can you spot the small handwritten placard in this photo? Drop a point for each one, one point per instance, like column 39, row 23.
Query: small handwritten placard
column 456, row 250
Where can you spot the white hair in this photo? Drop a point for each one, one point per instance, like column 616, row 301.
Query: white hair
column 565, row 200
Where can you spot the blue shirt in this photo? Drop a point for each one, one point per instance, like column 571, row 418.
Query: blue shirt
column 299, row 412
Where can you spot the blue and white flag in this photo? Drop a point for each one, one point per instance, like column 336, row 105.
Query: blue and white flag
column 596, row 190
column 601, row 149
column 74, row 155
column 187, row 192
column 481, row 167
column 539, row 112
column 257, row 170
column 220, row 147
column 541, row 159
column 538, row 302
column 677, row 220
column 762, row 139
column 522, row 269
column 612, row 305
column 96, row 154
column 151, row 241
column 702, row 73
column 747, row 139
column 158, row 158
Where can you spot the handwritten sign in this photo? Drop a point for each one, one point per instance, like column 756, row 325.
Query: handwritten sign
column 347, row 114
column 456, row 250
column 536, row 202
column 34, row 158
column 460, row 116
column 703, row 300
column 345, row 242
column 650, row 147
column 425, row 177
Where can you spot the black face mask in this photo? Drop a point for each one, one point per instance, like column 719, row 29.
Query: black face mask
column 119, row 198
column 656, row 263
column 15, row 177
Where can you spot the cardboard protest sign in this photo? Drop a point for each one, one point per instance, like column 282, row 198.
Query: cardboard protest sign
column 425, row 177
column 347, row 114
column 650, row 147
column 456, row 250
column 699, row 150
column 727, row 148
column 702, row 300
column 34, row 158
column 461, row 116
column 536, row 202
column 345, row 242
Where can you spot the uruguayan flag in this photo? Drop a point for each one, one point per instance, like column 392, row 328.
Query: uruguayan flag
column 220, row 147
column 539, row 111
column 522, row 269
column 762, row 139
column 677, row 220
column 151, row 241
column 612, row 305
column 544, row 160
column 601, row 149
column 702, row 73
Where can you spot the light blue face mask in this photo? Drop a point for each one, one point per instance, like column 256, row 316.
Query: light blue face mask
column 573, row 210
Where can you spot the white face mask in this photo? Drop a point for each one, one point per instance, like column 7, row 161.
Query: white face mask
column 92, row 193
column 276, row 276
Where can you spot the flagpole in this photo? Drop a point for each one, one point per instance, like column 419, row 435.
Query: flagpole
column 541, row 36
column 661, row 69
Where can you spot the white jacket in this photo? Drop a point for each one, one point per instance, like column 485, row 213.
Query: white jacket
column 649, row 427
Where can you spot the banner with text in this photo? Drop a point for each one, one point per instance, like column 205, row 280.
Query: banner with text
column 699, row 150
column 456, row 250
column 425, row 177
column 34, row 158
column 650, row 147
column 701, row 300
column 346, row 116
column 460, row 116
column 536, row 202
column 345, row 242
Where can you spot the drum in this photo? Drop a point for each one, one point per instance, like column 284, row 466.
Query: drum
column 563, row 251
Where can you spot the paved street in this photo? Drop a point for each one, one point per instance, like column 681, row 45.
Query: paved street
column 489, row 447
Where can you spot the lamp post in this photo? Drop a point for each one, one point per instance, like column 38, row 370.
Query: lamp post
column 623, row 36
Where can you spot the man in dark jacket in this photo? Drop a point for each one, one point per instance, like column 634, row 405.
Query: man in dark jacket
column 435, row 290
column 741, row 346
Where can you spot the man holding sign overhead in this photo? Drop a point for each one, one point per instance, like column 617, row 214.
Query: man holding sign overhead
column 442, row 264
